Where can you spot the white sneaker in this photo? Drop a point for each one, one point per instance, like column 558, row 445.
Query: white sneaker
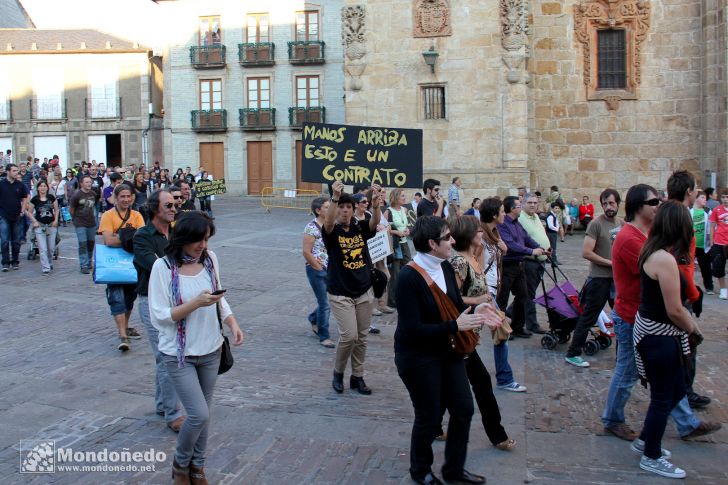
column 723, row 294
column 662, row 467
column 513, row 387
column 638, row 446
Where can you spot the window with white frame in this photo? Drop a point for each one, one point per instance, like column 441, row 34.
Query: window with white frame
column 307, row 91
column 258, row 28
column 259, row 93
column 48, row 91
column 103, row 96
column 210, row 94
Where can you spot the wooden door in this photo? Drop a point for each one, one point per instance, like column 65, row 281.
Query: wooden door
column 212, row 159
column 299, row 183
column 260, row 166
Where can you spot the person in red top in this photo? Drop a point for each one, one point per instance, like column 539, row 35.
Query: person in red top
column 641, row 207
column 681, row 187
column 719, row 235
column 586, row 211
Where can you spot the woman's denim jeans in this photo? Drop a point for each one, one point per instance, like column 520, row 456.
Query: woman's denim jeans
column 320, row 315
column 503, row 371
column 194, row 383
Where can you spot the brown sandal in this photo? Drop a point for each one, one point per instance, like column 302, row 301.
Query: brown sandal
column 506, row 445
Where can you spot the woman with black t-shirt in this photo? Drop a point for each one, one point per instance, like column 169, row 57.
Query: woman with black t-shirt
column 43, row 212
column 349, row 283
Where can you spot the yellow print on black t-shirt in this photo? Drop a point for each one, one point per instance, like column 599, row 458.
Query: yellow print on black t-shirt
column 352, row 248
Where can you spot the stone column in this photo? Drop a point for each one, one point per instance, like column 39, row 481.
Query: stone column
column 514, row 30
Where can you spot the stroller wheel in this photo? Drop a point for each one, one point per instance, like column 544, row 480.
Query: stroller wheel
column 591, row 347
column 548, row 342
column 604, row 341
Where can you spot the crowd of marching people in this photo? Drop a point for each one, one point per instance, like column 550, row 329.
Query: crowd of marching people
column 452, row 271
column 458, row 273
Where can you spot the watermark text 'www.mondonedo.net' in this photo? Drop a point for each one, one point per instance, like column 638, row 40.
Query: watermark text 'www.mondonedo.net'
column 42, row 456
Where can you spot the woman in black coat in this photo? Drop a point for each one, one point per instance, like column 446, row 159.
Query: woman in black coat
column 432, row 372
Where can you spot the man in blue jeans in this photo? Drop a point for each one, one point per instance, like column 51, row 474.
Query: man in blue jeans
column 13, row 198
column 83, row 212
column 640, row 206
column 150, row 243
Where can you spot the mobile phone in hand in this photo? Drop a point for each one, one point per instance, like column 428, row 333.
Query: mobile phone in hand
column 218, row 292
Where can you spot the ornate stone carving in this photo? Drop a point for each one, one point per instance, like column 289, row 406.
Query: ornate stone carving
column 514, row 29
column 432, row 18
column 631, row 15
column 353, row 36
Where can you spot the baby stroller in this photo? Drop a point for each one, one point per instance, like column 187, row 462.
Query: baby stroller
column 563, row 310
column 34, row 252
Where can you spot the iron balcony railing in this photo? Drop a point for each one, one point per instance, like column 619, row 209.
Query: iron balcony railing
column 257, row 118
column 257, row 54
column 298, row 116
column 306, row 52
column 103, row 108
column 48, row 109
column 6, row 111
column 207, row 56
column 209, row 120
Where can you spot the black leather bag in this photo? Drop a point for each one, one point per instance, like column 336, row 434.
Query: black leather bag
column 226, row 355
column 379, row 282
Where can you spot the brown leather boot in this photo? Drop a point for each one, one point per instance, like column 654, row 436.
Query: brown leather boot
column 180, row 475
column 197, row 476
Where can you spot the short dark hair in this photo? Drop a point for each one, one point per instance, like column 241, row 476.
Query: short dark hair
column 709, row 191
column 10, row 166
column 455, row 179
column 509, row 203
column 418, row 193
column 153, row 201
column 191, row 227
column 463, row 230
column 359, row 187
column 317, row 204
column 426, row 228
column 679, row 183
column 537, row 193
column 115, row 176
column 554, row 188
column 490, row 208
column 606, row 193
column 635, row 199
column 429, row 184
column 344, row 199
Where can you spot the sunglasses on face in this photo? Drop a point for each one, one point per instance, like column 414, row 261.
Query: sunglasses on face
column 363, row 201
column 445, row 237
column 652, row 202
column 169, row 205
column 177, row 197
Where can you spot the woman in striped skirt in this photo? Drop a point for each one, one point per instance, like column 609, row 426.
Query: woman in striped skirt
column 661, row 330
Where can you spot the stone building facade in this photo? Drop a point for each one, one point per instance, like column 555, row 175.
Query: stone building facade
column 78, row 94
column 520, row 91
column 243, row 76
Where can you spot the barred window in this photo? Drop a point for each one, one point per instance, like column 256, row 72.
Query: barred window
column 612, row 59
column 434, row 102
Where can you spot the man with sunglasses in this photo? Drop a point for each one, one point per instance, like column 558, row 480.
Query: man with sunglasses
column 641, row 203
column 431, row 204
column 597, row 290
column 150, row 243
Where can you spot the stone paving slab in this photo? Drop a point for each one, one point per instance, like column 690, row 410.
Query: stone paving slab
column 276, row 419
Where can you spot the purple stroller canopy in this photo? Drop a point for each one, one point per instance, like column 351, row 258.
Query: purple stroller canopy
column 558, row 300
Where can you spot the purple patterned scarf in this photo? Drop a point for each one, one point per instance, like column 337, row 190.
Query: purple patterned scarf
column 177, row 296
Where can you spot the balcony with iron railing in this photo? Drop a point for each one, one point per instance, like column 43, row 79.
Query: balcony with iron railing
column 254, row 54
column 209, row 120
column 6, row 112
column 207, row 56
column 298, row 116
column 48, row 109
column 103, row 108
column 257, row 119
column 306, row 52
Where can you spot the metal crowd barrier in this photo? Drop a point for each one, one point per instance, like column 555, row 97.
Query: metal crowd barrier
column 279, row 198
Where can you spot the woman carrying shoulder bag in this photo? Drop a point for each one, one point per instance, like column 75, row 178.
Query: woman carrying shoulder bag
column 399, row 232
column 190, row 335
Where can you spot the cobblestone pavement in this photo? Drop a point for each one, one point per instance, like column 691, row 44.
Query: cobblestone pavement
column 276, row 419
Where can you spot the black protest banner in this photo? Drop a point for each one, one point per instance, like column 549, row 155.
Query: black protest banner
column 390, row 157
column 205, row 188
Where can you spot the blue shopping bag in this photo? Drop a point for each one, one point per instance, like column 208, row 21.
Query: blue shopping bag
column 113, row 266
column 66, row 214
